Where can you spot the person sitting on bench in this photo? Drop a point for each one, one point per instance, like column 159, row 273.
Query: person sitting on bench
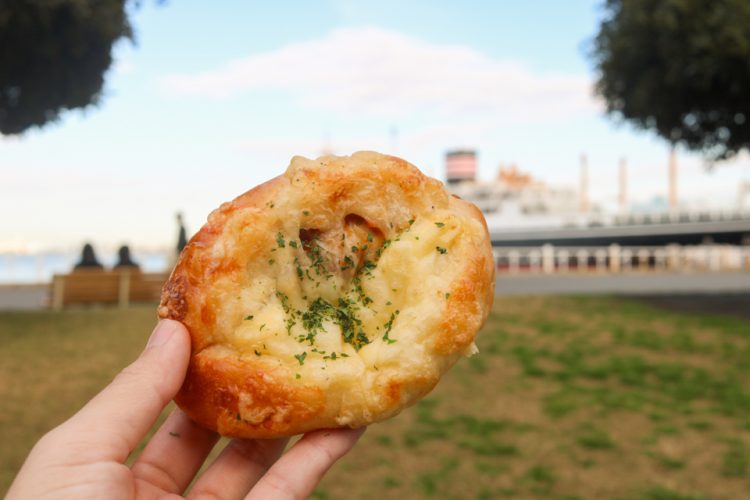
column 88, row 259
column 125, row 262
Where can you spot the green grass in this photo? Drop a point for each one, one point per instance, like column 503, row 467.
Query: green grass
column 570, row 398
column 662, row 494
column 735, row 460
column 596, row 440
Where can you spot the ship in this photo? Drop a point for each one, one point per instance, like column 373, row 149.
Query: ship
column 524, row 212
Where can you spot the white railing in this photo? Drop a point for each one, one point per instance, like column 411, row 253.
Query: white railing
column 682, row 216
column 40, row 267
column 615, row 259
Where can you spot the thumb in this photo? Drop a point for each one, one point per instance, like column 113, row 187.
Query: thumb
column 116, row 420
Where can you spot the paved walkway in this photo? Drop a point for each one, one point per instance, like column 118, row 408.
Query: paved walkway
column 23, row 297
column 623, row 284
column 724, row 304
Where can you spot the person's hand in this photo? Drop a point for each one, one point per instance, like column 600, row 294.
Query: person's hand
column 84, row 457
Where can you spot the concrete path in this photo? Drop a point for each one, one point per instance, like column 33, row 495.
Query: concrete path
column 724, row 304
column 623, row 284
column 23, row 297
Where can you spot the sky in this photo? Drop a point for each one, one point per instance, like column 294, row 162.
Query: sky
column 212, row 101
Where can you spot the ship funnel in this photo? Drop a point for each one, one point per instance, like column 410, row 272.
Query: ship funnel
column 584, row 194
column 672, row 180
column 623, row 186
column 460, row 165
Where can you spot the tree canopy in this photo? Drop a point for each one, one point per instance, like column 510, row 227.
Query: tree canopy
column 53, row 56
column 680, row 68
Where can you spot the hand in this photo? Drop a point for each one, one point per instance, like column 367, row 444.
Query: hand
column 84, row 457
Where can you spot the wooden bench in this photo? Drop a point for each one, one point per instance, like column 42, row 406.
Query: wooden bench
column 96, row 286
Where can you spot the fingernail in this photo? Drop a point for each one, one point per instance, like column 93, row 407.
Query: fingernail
column 162, row 333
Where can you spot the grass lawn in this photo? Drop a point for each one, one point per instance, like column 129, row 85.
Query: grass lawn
column 569, row 398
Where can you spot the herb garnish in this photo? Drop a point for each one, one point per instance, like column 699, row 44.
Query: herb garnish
column 342, row 313
column 442, row 250
column 388, row 327
column 282, row 296
column 249, row 317
column 290, row 324
column 439, row 224
column 350, row 263
column 301, row 357
column 313, row 251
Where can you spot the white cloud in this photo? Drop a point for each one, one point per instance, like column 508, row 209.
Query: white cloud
column 413, row 146
column 371, row 71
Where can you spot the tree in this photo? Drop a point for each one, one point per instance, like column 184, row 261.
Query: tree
column 680, row 68
column 53, row 56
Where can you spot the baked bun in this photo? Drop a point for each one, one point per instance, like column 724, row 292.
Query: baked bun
column 335, row 295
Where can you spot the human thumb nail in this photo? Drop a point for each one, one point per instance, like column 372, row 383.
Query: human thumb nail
column 162, row 333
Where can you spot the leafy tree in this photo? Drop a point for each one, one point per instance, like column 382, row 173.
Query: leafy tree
column 53, row 56
column 680, row 68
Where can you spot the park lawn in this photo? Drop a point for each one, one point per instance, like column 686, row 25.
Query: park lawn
column 569, row 398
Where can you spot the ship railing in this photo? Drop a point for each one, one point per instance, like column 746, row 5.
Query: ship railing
column 682, row 216
column 549, row 259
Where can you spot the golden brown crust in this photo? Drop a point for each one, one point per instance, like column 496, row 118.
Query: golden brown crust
column 412, row 265
column 236, row 399
column 472, row 293
column 174, row 305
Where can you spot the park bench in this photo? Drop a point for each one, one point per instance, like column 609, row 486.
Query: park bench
column 96, row 286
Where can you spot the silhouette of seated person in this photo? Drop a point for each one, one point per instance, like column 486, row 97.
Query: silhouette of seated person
column 88, row 260
column 125, row 262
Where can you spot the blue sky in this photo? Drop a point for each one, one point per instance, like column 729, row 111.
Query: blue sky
column 213, row 101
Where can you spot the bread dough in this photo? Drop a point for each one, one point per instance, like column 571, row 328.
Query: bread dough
column 334, row 295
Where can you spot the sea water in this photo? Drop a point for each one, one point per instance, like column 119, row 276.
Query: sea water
column 39, row 268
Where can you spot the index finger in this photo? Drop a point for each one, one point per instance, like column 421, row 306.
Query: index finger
column 296, row 474
column 112, row 424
